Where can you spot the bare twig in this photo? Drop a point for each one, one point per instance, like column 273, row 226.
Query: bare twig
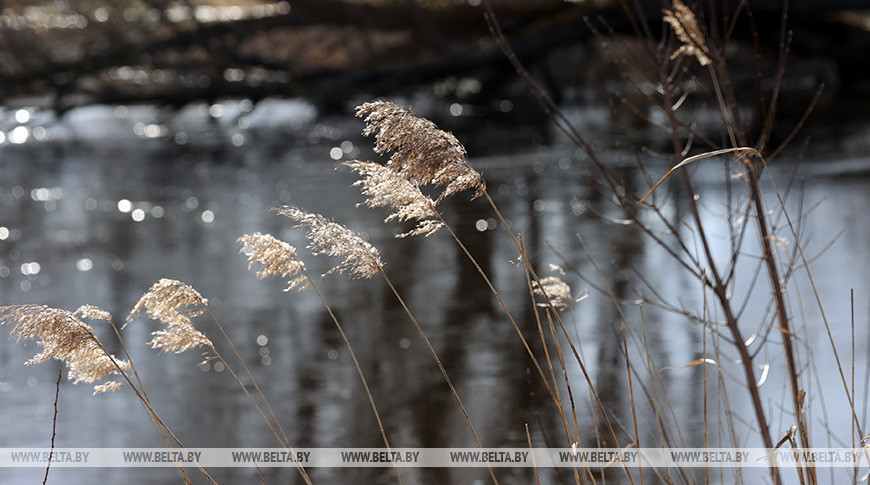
column 53, row 426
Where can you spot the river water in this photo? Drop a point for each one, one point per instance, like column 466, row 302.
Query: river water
column 98, row 206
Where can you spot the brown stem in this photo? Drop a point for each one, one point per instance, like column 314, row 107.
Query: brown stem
column 358, row 370
column 550, row 305
column 53, row 427
column 156, row 417
column 284, row 444
column 718, row 285
column 441, row 368
column 248, row 373
column 782, row 316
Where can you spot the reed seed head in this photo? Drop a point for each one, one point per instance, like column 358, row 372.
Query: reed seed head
column 64, row 337
column 173, row 302
column 361, row 259
column 556, row 290
column 686, row 26
column 385, row 188
column 277, row 257
column 179, row 337
column 421, row 152
column 166, row 297
column 94, row 313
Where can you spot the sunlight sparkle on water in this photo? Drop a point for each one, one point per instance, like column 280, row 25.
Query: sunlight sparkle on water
column 44, row 194
column 31, row 268
column 19, row 135
column 125, row 205
column 84, row 264
column 22, row 116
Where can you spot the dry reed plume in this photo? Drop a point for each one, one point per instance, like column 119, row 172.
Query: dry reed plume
column 277, row 257
column 66, row 338
column 361, row 259
column 172, row 302
column 94, row 313
column 557, row 291
column 422, row 153
column 686, row 26
column 385, row 188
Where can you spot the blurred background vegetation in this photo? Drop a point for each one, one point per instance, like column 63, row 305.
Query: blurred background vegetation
column 65, row 53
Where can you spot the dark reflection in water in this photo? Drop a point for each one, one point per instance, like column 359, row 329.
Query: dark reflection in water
column 104, row 221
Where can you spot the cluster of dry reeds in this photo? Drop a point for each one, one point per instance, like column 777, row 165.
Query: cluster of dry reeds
column 677, row 78
column 65, row 337
column 423, row 157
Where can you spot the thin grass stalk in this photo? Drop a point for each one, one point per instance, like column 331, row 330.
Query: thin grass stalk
column 441, row 368
column 159, row 430
column 866, row 397
column 358, row 369
column 53, row 426
column 531, row 451
column 507, row 312
column 534, row 275
column 852, row 311
column 631, row 395
column 649, row 368
column 248, row 373
column 284, row 444
column 260, row 474
column 560, row 356
column 723, row 406
column 575, row 435
column 568, row 383
column 572, row 435
column 704, row 376
column 156, row 416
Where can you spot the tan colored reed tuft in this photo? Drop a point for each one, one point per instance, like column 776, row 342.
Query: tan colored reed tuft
column 558, row 292
column 361, row 259
column 686, row 26
column 94, row 313
column 386, row 188
column 421, row 152
column 173, row 302
column 277, row 257
column 64, row 337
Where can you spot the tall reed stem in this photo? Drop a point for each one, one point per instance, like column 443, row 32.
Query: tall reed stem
column 441, row 368
column 359, row 370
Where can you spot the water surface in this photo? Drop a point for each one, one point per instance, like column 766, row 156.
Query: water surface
column 96, row 208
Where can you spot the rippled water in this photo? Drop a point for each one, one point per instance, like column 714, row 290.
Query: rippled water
column 95, row 209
